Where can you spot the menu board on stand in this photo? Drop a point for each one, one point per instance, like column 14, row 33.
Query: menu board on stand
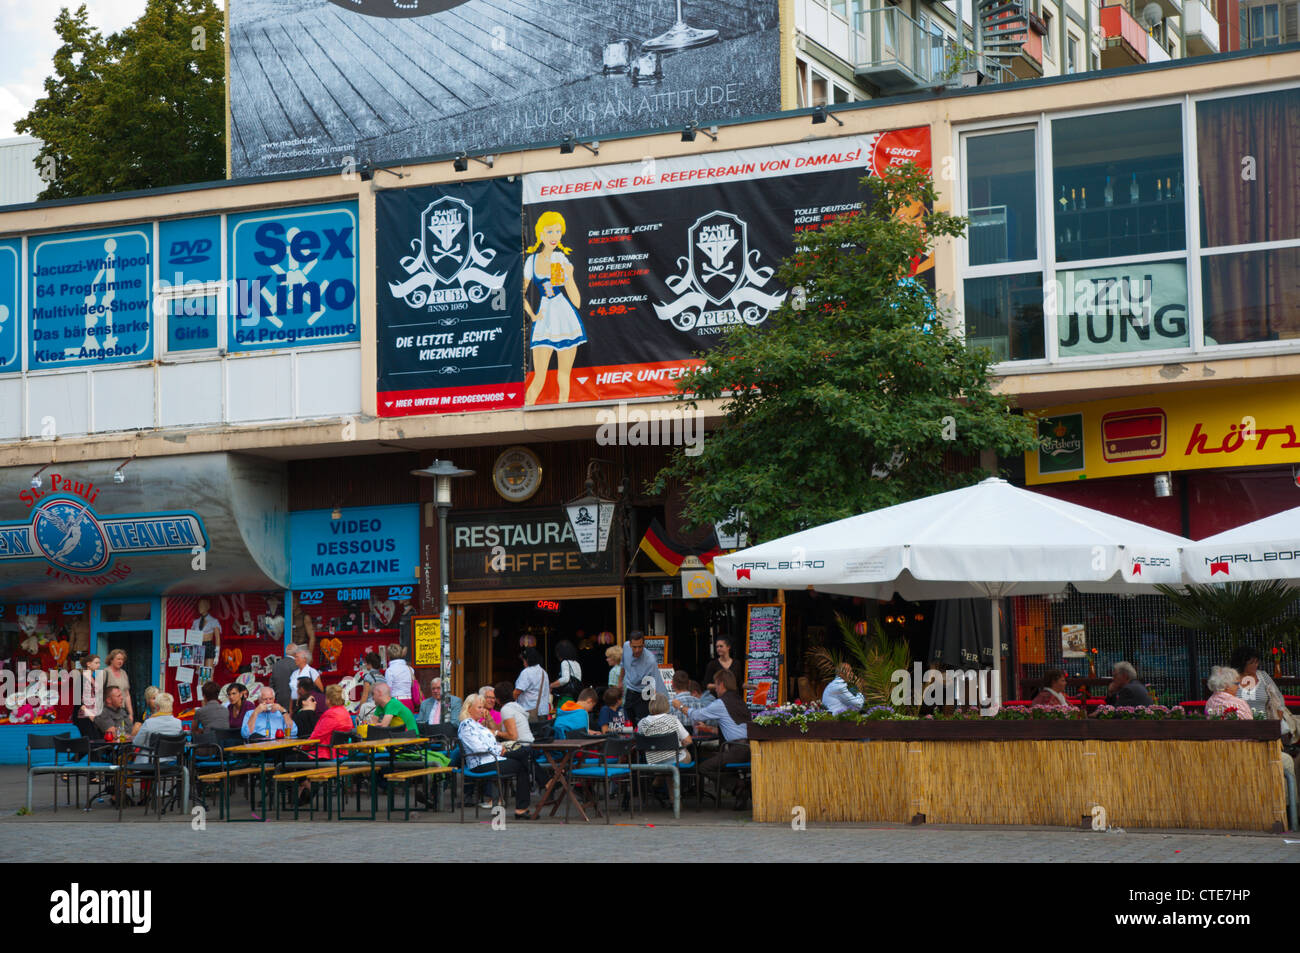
column 765, row 654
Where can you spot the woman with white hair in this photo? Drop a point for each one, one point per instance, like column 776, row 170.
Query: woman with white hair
column 1224, row 682
column 481, row 749
column 161, row 723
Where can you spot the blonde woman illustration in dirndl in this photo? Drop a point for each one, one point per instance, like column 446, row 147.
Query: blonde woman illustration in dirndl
column 557, row 328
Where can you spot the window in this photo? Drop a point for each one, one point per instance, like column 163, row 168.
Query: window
column 1071, row 54
column 192, row 322
column 1000, row 190
column 801, row 72
column 841, row 95
column 1047, row 35
column 820, row 90
column 840, row 8
column 1248, row 148
column 1117, row 184
column 1005, row 315
column 1264, row 25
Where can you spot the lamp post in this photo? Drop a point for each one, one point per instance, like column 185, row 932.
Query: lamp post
column 590, row 517
column 443, row 472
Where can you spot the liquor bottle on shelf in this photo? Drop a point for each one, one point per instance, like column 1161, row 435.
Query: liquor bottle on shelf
column 1178, row 186
column 1083, row 198
column 1159, row 195
column 1109, row 194
column 1169, row 188
column 1074, row 199
column 1133, row 190
column 1064, row 202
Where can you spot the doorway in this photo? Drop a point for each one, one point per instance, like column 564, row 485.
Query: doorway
column 130, row 625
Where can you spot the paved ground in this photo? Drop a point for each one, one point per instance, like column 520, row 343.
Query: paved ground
column 706, row 835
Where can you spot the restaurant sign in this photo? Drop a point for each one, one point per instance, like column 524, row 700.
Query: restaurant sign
column 1241, row 426
column 510, row 549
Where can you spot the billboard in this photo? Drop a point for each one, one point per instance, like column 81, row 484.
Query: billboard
column 91, row 298
column 448, row 298
column 635, row 269
column 11, row 252
column 293, row 277
column 318, row 84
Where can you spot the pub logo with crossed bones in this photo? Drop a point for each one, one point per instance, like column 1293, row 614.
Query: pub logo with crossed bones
column 448, row 266
column 721, row 283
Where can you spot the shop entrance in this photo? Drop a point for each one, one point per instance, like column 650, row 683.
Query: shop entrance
column 133, row 626
column 488, row 629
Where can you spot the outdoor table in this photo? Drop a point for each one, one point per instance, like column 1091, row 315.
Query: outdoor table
column 120, row 751
column 559, row 756
column 370, row 749
column 262, row 749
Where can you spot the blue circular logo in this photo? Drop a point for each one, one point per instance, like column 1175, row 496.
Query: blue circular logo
column 69, row 536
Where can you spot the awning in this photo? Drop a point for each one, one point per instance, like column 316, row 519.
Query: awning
column 196, row 523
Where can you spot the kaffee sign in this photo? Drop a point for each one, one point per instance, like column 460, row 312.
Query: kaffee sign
column 510, row 549
column 1248, row 425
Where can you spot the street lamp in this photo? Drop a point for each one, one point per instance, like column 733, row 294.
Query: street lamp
column 590, row 516
column 443, row 472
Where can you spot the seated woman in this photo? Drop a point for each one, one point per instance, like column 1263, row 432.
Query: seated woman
column 661, row 721
column 481, row 749
column 332, row 719
column 1053, row 692
column 1225, row 682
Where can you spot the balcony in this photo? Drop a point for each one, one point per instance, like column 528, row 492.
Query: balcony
column 1014, row 37
column 1125, row 42
column 1200, row 29
column 895, row 54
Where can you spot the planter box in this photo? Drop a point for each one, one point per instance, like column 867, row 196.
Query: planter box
column 1081, row 729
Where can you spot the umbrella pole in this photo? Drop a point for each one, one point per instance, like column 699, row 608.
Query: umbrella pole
column 995, row 677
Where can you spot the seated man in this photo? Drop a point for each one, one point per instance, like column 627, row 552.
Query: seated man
column 211, row 715
column 435, row 710
column 161, row 722
column 389, row 712
column 575, row 716
column 114, row 717
column 840, row 695
column 269, row 717
column 1125, row 691
column 683, row 702
column 732, row 715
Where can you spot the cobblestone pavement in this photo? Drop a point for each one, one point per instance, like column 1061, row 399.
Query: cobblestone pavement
column 686, row 841
column 699, row 835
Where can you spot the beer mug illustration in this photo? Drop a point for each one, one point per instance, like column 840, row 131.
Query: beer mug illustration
column 557, row 274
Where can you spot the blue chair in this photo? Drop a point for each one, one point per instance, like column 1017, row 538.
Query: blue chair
column 612, row 768
column 665, row 743
column 37, row 742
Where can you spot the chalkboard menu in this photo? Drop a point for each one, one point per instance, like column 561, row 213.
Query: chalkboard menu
column 765, row 654
column 659, row 646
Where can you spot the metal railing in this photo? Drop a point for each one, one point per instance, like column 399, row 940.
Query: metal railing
column 895, row 52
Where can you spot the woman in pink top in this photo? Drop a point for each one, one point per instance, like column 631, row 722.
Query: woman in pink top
column 332, row 719
column 1224, row 682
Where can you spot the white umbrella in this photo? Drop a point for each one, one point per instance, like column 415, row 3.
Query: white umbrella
column 1265, row 549
column 991, row 540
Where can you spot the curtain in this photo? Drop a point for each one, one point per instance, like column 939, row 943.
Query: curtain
column 1250, row 297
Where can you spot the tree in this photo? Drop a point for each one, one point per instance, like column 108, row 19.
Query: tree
column 855, row 390
column 1237, row 613
column 138, row 109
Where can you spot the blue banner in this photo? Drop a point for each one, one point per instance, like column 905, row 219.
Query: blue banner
column 11, row 252
column 90, row 298
column 190, row 251
column 293, row 278
column 368, row 545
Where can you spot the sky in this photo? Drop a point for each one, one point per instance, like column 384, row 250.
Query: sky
column 28, row 42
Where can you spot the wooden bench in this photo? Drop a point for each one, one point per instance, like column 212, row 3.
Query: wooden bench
column 216, row 776
column 405, row 777
column 314, row 775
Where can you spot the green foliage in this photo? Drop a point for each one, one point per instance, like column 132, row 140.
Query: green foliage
column 1237, row 613
column 139, row 109
column 838, row 404
column 874, row 660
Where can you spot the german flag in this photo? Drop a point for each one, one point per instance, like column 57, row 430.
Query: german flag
column 662, row 553
column 669, row 555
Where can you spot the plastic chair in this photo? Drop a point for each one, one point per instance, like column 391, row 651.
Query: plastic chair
column 36, row 742
column 611, row 768
column 645, row 744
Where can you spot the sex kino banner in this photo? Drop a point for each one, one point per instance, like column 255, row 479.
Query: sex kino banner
column 638, row 267
column 450, row 334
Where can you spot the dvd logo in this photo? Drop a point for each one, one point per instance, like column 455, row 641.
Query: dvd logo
column 189, row 253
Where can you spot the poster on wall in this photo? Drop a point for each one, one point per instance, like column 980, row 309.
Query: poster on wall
column 350, row 623
column 448, row 298
column 293, row 277
column 429, row 77
column 1122, row 308
column 90, row 298
column 11, row 251
column 248, row 628
column 634, row 269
